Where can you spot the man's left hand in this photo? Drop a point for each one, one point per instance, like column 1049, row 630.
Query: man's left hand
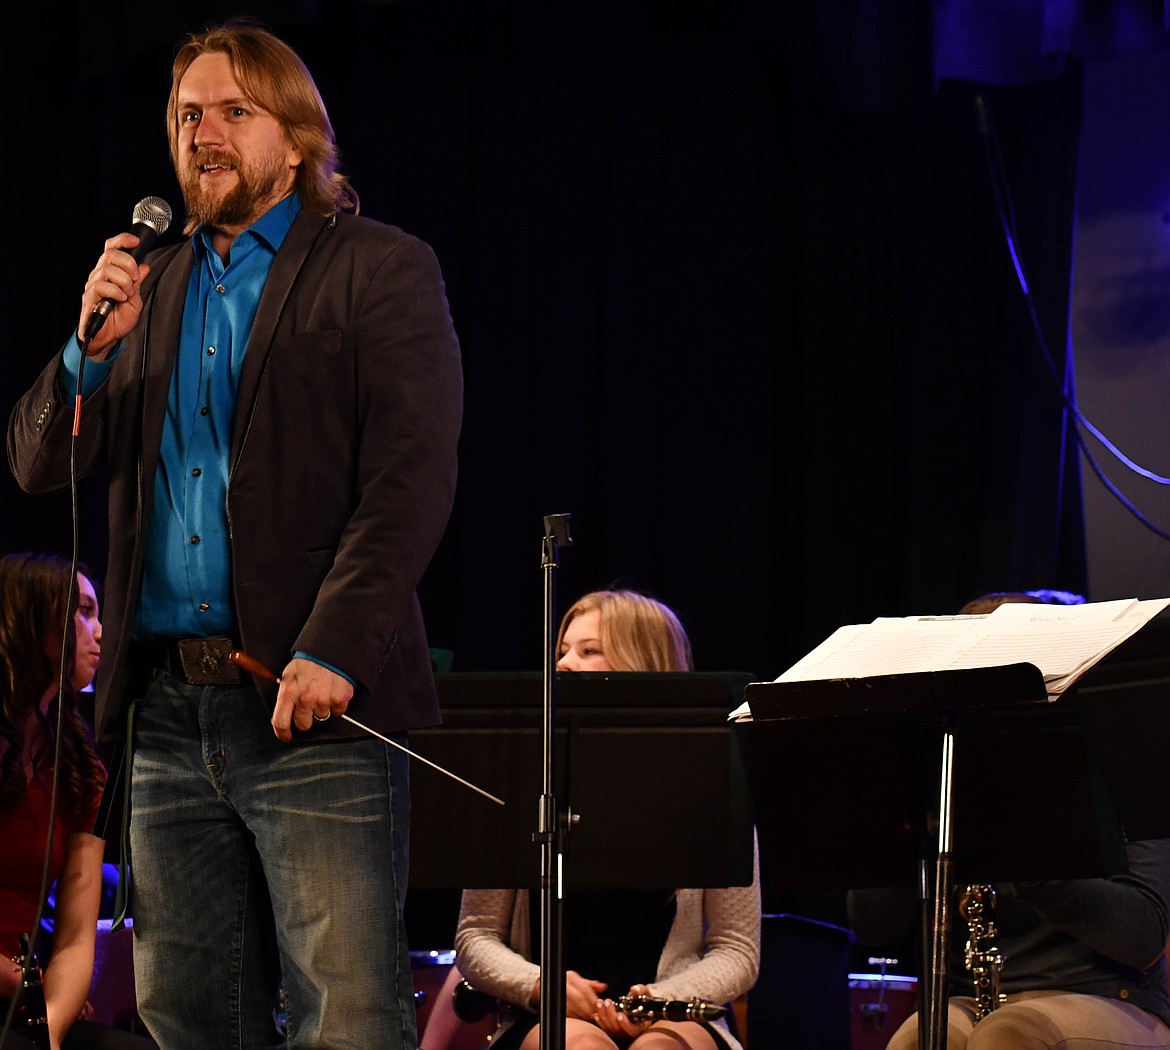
column 308, row 691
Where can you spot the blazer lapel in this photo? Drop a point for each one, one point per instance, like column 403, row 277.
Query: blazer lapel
column 298, row 244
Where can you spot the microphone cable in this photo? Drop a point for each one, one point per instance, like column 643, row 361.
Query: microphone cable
column 151, row 219
column 28, row 960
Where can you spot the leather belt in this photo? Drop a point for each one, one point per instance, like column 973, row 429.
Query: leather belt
column 199, row 661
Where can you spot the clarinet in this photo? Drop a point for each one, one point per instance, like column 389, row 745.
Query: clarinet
column 652, row 1008
column 31, row 1014
column 981, row 956
column 472, row 1005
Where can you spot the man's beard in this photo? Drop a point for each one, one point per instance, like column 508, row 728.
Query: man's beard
column 257, row 184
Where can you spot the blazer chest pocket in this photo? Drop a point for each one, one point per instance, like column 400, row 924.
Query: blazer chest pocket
column 305, row 347
column 310, row 364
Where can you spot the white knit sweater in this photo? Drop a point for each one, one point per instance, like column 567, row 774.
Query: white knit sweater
column 712, row 950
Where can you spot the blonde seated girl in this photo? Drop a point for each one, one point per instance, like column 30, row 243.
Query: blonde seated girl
column 692, row 942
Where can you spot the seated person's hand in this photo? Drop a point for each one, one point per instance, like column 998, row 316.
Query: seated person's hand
column 581, row 995
column 611, row 1021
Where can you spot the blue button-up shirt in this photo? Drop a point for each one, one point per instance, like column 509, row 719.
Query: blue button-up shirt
column 186, row 586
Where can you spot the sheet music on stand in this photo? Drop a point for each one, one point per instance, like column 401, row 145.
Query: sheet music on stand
column 859, row 745
column 843, row 755
column 1063, row 641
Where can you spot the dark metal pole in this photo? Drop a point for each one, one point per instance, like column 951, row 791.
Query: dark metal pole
column 551, row 825
column 943, row 890
column 925, row 945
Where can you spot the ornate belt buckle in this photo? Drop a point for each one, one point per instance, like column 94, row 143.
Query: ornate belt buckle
column 205, row 661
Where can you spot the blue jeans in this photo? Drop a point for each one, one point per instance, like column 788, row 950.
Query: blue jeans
column 256, row 861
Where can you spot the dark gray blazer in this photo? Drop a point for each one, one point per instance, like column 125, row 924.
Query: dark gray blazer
column 342, row 460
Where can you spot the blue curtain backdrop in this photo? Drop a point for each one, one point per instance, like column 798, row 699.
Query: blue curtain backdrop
column 732, row 286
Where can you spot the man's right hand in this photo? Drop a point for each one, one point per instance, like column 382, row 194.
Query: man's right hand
column 119, row 278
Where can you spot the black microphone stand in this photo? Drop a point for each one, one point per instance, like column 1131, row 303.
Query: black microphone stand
column 553, row 825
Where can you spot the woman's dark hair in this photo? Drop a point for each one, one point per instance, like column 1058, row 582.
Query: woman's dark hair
column 34, row 589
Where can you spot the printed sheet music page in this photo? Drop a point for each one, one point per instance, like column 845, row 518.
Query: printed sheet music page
column 1063, row 641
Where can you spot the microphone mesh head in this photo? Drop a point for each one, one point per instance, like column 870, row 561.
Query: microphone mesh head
column 153, row 211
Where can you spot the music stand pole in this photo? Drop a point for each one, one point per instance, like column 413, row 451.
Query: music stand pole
column 937, row 1012
column 925, row 943
column 551, row 828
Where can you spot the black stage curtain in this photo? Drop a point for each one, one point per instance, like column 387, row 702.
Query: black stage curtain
column 731, row 285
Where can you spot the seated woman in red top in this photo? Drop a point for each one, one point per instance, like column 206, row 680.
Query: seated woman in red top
column 33, row 594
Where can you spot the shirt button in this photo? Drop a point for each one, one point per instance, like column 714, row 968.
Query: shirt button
column 1123, row 994
column 204, row 410
column 203, row 606
column 194, row 539
column 211, row 351
column 220, row 288
column 196, row 472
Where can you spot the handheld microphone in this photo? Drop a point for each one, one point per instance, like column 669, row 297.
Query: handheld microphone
column 652, row 1008
column 152, row 216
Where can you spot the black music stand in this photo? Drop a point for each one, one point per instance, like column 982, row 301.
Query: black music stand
column 862, row 756
column 662, row 738
column 1131, row 688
